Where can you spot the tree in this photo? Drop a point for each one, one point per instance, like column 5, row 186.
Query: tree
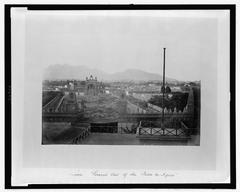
column 168, row 90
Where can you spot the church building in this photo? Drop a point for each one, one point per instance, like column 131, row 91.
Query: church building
column 93, row 87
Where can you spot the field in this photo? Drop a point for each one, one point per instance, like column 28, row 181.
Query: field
column 102, row 107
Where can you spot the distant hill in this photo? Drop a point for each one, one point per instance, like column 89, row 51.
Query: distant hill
column 136, row 75
column 57, row 72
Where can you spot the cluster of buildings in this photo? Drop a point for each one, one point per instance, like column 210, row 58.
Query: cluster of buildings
column 136, row 101
column 89, row 86
column 64, row 105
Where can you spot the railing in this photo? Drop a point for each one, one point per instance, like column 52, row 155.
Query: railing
column 158, row 130
column 186, row 129
column 85, row 133
column 127, row 130
column 59, row 116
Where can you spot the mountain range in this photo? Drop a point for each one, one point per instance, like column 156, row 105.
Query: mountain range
column 57, row 72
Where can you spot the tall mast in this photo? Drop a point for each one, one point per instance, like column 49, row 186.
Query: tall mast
column 163, row 89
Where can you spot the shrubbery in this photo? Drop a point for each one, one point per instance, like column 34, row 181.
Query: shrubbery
column 178, row 100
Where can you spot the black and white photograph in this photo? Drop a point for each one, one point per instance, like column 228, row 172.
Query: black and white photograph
column 121, row 79
column 102, row 95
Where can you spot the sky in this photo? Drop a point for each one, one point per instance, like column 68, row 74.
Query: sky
column 116, row 42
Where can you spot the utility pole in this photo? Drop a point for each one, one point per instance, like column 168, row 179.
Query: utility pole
column 163, row 89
